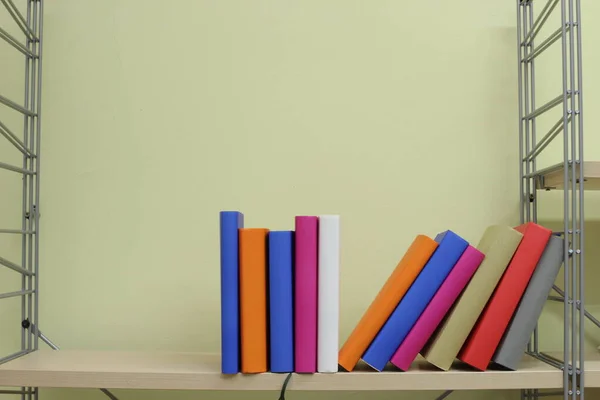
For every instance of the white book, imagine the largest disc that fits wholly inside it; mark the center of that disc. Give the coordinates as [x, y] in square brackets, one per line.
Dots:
[329, 293]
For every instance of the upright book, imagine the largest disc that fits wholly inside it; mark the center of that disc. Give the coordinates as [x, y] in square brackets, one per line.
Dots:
[483, 340]
[437, 308]
[451, 247]
[329, 293]
[253, 299]
[386, 300]
[513, 343]
[306, 274]
[230, 222]
[281, 301]
[498, 244]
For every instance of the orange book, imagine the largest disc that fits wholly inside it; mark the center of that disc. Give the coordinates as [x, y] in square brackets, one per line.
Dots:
[386, 301]
[253, 299]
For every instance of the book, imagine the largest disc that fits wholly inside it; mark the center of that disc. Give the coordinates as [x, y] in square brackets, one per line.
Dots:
[305, 295]
[253, 299]
[281, 301]
[498, 243]
[328, 293]
[450, 248]
[230, 222]
[483, 340]
[517, 335]
[386, 301]
[437, 308]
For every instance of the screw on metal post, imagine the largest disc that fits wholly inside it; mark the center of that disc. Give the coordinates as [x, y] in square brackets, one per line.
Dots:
[25, 324]
[531, 198]
[284, 387]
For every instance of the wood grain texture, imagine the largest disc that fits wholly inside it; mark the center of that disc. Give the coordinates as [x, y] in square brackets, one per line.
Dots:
[197, 371]
[553, 177]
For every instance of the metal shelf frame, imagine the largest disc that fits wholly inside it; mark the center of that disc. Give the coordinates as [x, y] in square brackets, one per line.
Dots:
[31, 25]
[570, 124]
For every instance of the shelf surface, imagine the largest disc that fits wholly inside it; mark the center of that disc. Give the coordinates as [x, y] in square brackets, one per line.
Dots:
[196, 371]
[553, 177]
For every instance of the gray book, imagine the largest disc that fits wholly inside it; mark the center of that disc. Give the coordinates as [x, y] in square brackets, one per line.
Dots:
[498, 243]
[512, 346]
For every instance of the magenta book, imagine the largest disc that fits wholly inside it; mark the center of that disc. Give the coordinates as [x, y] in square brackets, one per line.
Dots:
[437, 308]
[305, 294]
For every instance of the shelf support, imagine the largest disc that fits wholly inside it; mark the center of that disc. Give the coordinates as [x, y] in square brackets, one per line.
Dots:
[15, 392]
[53, 346]
[18, 17]
[547, 139]
[15, 267]
[550, 40]
[546, 107]
[14, 140]
[12, 168]
[13, 356]
[17, 232]
[540, 21]
[589, 316]
[15, 294]
[15, 106]
[444, 395]
[8, 38]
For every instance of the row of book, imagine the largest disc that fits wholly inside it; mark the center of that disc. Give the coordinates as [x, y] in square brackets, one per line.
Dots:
[279, 296]
[449, 300]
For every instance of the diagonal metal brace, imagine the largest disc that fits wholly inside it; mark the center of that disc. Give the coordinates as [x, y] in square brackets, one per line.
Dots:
[589, 316]
[445, 394]
[45, 339]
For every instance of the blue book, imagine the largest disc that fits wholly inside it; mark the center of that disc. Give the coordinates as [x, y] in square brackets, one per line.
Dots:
[230, 222]
[407, 312]
[281, 301]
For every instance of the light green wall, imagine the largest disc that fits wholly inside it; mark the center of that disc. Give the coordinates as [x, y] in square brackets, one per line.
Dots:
[399, 115]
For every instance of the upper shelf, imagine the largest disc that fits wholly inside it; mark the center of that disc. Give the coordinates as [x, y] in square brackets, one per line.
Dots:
[194, 371]
[553, 177]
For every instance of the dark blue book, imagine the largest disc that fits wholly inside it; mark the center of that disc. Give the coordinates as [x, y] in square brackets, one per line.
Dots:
[281, 301]
[230, 222]
[407, 312]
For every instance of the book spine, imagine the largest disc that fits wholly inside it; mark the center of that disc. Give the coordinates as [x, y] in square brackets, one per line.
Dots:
[498, 243]
[230, 222]
[400, 322]
[514, 342]
[329, 293]
[281, 301]
[386, 301]
[253, 299]
[483, 340]
[437, 308]
[305, 313]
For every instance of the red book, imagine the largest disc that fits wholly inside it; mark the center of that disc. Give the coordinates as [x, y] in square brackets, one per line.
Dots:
[481, 344]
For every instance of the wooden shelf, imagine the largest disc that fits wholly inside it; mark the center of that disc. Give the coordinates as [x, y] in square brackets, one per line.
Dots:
[553, 177]
[194, 371]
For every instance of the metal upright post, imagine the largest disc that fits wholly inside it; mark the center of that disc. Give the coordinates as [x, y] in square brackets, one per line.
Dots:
[581, 189]
[30, 23]
[571, 125]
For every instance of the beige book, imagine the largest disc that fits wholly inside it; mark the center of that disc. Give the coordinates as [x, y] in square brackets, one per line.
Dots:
[498, 243]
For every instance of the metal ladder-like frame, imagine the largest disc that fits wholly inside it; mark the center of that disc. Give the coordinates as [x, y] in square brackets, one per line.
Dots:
[27, 143]
[31, 25]
[570, 124]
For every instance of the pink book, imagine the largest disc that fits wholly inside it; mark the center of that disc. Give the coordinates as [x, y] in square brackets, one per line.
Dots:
[437, 308]
[305, 294]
